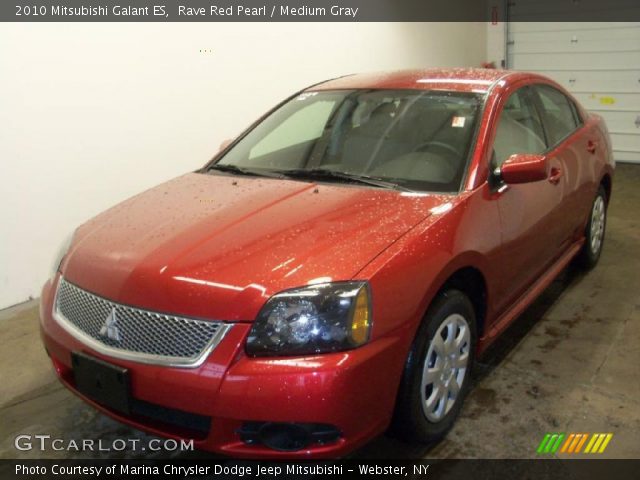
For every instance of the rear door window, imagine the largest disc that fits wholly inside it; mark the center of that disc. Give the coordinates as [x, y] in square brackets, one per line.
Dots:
[559, 113]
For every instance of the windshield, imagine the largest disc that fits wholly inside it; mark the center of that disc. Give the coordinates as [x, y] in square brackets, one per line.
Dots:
[409, 138]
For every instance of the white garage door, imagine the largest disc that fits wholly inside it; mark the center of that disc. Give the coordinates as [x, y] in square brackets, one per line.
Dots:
[599, 62]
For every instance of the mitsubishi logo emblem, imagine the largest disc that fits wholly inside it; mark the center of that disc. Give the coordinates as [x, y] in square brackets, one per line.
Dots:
[110, 327]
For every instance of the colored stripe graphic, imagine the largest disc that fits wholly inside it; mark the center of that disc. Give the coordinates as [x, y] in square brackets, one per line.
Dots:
[555, 447]
[576, 445]
[572, 443]
[598, 442]
[581, 443]
[550, 443]
[567, 443]
[543, 443]
[606, 442]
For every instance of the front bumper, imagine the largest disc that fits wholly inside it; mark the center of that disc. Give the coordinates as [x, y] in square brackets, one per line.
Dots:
[353, 391]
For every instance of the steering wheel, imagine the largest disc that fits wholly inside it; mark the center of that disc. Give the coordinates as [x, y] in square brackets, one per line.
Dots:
[441, 145]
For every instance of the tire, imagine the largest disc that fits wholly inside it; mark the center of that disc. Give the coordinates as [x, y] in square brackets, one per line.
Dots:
[419, 415]
[594, 232]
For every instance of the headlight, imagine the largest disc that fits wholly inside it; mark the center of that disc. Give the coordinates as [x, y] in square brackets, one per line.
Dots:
[320, 318]
[62, 251]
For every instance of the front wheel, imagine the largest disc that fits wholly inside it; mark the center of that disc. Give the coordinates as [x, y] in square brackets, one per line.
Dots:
[438, 369]
[594, 232]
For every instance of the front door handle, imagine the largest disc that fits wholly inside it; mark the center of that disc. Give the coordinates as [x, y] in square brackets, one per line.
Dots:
[592, 145]
[554, 176]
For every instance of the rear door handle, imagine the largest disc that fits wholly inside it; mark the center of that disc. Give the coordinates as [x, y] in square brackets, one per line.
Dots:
[554, 176]
[592, 145]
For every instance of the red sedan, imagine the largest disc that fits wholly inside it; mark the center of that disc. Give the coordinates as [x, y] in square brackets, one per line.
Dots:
[336, 269]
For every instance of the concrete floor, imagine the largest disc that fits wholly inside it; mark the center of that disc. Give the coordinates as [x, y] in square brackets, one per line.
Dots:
[570, 363]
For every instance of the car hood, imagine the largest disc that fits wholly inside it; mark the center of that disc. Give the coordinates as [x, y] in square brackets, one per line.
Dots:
[217, 246]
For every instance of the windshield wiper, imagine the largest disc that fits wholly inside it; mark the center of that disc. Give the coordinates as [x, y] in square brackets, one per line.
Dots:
[257, 172]
[326, 174]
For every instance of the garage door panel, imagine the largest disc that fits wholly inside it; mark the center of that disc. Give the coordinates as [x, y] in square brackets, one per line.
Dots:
[585, 81]
[567, 45]
[631, 157]
[576, 15]
[629, 36]
[537, 27]
[626, 143]
[571, 61]
[627, 102]
[621, 122]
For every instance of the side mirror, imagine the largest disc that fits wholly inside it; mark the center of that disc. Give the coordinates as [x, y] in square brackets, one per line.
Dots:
[524, 168]
[225, 144]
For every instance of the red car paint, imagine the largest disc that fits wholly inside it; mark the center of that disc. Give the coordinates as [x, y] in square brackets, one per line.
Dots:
[217, 247]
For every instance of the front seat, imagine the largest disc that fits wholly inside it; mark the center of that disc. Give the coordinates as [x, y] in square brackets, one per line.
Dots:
[373, 142]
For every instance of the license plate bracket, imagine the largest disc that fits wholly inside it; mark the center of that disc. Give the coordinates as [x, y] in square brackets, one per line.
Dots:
[102, 382]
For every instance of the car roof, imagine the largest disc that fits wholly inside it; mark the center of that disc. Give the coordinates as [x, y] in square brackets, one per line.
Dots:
[478, 80]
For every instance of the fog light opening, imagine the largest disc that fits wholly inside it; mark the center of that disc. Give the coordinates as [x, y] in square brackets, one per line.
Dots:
[288, 437]
[284, 437]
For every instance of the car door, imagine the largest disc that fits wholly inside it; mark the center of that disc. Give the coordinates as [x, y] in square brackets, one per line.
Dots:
[529, 212]
[570, 150]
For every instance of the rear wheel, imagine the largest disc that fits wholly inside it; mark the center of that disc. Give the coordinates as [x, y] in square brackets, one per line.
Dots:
[438, 369]
[594, 232]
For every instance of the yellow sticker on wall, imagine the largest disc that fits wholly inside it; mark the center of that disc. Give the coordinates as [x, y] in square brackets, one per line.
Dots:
[607, 100]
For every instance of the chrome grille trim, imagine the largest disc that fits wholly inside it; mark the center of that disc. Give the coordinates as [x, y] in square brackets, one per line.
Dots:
[141, 336]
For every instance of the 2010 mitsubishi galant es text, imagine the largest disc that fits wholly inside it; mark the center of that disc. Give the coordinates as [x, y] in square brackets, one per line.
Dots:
[336, 269]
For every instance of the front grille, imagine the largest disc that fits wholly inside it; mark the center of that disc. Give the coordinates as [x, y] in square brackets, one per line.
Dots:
[134, 334]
